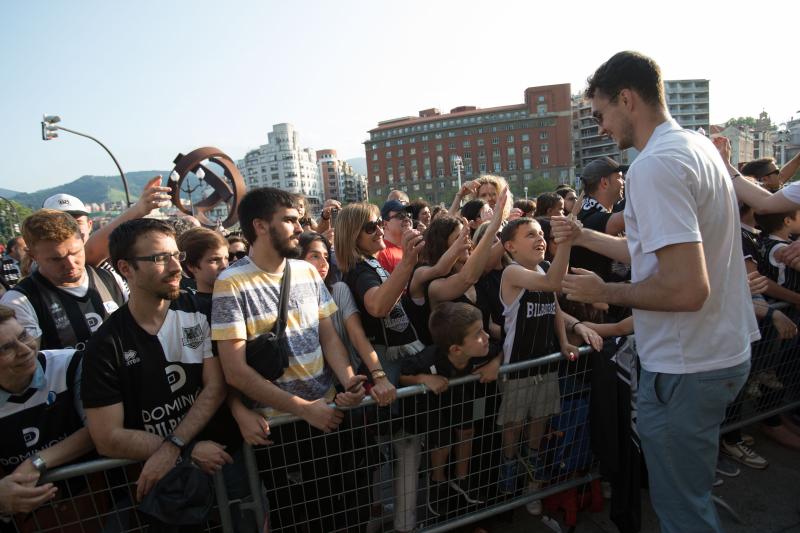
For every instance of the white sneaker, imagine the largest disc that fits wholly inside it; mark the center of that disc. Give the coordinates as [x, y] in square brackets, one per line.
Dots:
[744, 454]
[534, 507]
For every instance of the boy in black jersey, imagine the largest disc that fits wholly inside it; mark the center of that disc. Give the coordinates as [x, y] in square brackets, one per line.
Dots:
[461, 345]
[534, 328]
[775, 231]
[150, 381]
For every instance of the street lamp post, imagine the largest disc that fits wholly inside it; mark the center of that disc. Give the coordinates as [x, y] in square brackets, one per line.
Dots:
[459, 164]
[525, 188]
[49, 131]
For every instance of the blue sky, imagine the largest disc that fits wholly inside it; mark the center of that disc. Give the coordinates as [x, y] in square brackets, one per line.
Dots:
[151, 79]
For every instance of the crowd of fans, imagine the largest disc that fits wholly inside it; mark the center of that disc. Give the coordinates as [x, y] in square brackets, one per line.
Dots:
[153, 340]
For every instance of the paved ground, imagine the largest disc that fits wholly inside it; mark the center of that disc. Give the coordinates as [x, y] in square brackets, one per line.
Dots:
[768, 501]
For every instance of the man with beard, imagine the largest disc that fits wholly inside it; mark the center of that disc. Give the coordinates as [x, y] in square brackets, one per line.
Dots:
[245, 307]
[64, 300]
[691, 304]
[150, 380]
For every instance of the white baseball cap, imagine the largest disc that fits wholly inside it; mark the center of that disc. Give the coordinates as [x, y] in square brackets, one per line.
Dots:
[66, 202]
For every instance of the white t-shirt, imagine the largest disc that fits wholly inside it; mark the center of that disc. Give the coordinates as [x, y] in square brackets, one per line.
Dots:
[677, 191]
[26, 314]
[791, 192]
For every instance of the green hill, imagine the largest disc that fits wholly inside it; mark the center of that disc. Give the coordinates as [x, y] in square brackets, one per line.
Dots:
[93, 189]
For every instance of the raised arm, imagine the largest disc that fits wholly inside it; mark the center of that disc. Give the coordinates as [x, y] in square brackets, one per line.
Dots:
[679, 284]
[380, 300]
[610, 246]
[446, 289]
[153, 196]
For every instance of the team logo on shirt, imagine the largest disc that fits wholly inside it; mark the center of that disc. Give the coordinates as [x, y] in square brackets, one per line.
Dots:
[130, 357]
[176, 377]
[30, 436]
[193, 336]
[59, 316]
[51, 398]
[93, 320]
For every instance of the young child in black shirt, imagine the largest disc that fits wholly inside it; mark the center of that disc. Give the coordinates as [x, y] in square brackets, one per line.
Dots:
[461, 345]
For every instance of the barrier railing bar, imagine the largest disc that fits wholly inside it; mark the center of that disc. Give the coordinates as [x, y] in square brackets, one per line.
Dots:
[760, 416]
[254, 480]
[223, 504]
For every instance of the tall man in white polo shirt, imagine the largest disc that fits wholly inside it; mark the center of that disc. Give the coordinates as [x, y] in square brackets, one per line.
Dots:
[692, 313]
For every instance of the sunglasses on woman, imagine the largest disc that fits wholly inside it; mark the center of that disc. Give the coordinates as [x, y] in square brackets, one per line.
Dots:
[372, 226]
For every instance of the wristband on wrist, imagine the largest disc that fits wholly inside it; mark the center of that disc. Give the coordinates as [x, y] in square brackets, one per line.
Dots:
[377, 374]
[39, 464]
[574, 324]
[770, 312]
[175, 441]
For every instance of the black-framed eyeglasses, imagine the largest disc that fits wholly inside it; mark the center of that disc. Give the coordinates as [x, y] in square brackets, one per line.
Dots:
[776, 171]
[162, 258]
[372, 226]
[235, 256]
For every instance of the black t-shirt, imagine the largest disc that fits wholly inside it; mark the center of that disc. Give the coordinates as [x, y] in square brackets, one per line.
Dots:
[488, 288]
[750, 246]
[41, 417]
[595, 217]
[394, 330]
[156, 377]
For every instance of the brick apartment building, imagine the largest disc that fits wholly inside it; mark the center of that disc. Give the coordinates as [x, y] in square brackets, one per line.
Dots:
[420, 155]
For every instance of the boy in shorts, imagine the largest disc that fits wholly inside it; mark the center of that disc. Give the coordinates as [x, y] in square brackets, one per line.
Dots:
[534, 327]
[461, 347]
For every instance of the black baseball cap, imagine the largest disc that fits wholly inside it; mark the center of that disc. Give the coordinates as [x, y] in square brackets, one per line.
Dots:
[601, 168]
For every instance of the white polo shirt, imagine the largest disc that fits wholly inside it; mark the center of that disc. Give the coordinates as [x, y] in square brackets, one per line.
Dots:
[678, 191]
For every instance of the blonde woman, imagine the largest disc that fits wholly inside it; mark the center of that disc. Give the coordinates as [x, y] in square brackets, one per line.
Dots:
[487, 188]
[359, 239]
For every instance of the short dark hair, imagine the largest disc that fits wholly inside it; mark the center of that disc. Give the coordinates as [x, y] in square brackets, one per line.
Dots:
[774, 221]
[563, 191]
[262, 203]
[526, 206]
[510, 230]
[545, 202]
[472, 209]
[436, 238]
[628, 70]
[12, 243]
[123, 239]
[416, 206]
[6, 313]
[757, 168]
[196, 242]
[233, 239]
[450, 321]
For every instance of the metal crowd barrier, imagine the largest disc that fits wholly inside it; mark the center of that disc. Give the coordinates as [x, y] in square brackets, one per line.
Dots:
[374, 473]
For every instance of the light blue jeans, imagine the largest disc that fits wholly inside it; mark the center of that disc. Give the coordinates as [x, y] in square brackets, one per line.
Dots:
[679, 416]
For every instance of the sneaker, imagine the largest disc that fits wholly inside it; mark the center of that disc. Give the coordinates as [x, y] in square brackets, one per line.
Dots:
[507, 479]
[727, 468]
[462, 488]
[718, 483]
[753, 389]
[437, 497]
[770, 380]
[748, 440]
[534, 507]
[743, 454]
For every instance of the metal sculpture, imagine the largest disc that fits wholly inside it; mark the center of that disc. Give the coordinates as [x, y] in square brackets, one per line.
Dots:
[228, 188]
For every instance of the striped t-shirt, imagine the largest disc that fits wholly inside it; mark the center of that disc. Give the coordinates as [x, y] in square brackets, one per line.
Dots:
[245, 306]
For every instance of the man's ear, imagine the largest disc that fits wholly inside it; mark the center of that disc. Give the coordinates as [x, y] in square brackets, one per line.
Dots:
[124, 267]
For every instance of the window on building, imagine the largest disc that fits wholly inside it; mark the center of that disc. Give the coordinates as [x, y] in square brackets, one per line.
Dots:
[541, 109]
[480, 142]
[452, 146]
[412, 151]
[526, 137]
[511, 152]
[416, 186]
[451, 133]
[495, 140]
[400, 153]
[545, 159]
[512, 165]
[399, 142]
[545, 147]
[437, 135]
[496, 152]
[424, 137]
[388, 144]
[425, 148]
[413, 163]
[481, 154]
[544, 134]
[526, 163]
[467, 154]
[482, 166]
[465, 144]
[497, 166]
[377, 178]
[375, 156]
[510, 139]
[428, 186]
[376, 168]
[438, 147]
[388, 155]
